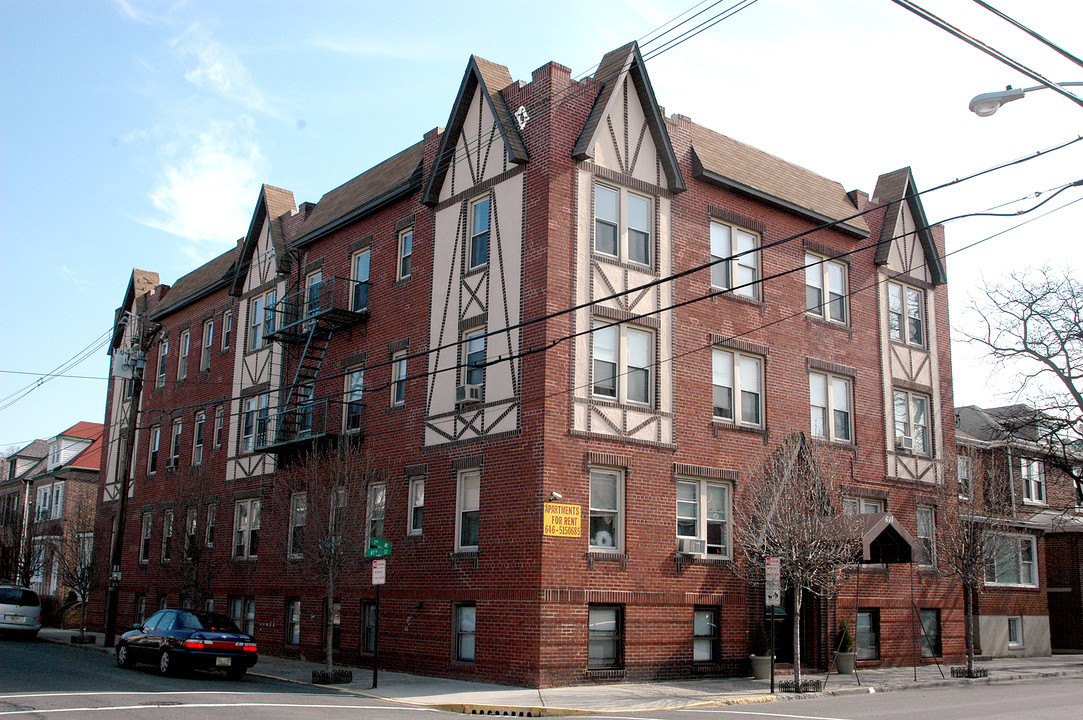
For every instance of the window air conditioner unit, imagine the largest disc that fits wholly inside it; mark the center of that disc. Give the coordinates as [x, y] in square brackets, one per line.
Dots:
[691, 546]
[905, 442]
[467, 394]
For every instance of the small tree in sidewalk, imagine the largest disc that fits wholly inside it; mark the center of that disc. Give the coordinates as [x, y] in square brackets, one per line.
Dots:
[195, 569]
[790, 508]
[76, 550]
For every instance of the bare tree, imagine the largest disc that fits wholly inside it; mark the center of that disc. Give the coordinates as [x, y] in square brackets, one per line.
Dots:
[196, 564]
[75, 551]
[1033, 322]
[791, 509]
[325, 496]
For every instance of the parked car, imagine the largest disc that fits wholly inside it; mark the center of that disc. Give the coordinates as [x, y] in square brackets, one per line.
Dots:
[177, 640]
[20, 611]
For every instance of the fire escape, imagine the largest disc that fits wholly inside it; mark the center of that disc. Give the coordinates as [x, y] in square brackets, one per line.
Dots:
[304, 322]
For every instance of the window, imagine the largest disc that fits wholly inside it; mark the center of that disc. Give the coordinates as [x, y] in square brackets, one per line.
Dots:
[736, 260]
[606, 499]
[703, 514]
[360, 299]
[182, 363]
[829, 404]
[41, 507]
[293, 621]
[1015, 631]
[246, 529]
[368, 619]
[704, 635]
[868, 634]
[355, 381]
[57, 509]
[622, 225]
[398, 378]
[930, 633]
[167, 536]
[622, 362]
[861, 506]
[965, 474]
[155, 442]
[1032, 473]
[243, 613]
[605, 636]
[465, 631]
[469, 506]
[219, 424]
[197, 438]
[417, 505]
[906, 314]
[305, 409]
[163, 355]
[174, 444]
[255, 319]
[336, 624]
[313, 288]
[1011, 560]
[227, 328]
[144, 538]
[406, 251]
[140, 614]
[912, 422]
[377, 507]
[338, 513]
[298, 509]
[825, 288]
[479, 234]
[926, 519]
[208, 343]
[737, 387]
[254, 422]
[474, 357]
[212, 516]
[190, 533]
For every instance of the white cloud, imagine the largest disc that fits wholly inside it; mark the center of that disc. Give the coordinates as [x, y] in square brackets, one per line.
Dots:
[206, 190]
[218, 69]
[370, 48]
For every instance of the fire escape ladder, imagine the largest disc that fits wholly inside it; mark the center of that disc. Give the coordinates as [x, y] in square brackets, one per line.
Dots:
[308, 365]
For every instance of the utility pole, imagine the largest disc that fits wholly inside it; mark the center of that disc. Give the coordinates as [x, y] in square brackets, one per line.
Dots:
[138, 365]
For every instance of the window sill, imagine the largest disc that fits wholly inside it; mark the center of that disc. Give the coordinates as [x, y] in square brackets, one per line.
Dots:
[605, 672]
[838, 444]
[709, 560]
[1035, 503]
[1010, 586]
[626, 264]
[594, 556]
[475, 270]
[463, 557]
[909, 346]
[825, 322]
[402, 281]
[718, 424]
[717, 292]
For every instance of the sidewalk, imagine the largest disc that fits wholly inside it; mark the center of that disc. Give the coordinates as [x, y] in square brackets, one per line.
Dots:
[482, 698]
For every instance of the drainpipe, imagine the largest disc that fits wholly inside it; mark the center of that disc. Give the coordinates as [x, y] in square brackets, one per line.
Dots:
[1011, 475]
[24, 556]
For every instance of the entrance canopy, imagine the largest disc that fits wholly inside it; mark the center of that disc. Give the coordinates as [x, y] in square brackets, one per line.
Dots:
[885, 540]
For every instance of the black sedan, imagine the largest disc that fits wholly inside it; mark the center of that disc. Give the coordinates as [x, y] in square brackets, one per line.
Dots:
[176, 640]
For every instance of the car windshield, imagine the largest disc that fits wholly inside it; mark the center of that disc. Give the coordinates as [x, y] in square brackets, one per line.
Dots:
[206, 621]
[18, 596]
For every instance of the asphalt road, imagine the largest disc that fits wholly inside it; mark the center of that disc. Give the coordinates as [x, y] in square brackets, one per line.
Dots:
[39, 680]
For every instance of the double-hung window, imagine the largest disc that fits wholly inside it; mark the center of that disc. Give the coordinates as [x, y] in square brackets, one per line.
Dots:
[861, 506]
[911, 422]
[163, 356]
[829, 404]
[219, 425]
[825, 288]
[255, 331]
[212, 517]
[926, 519]
[931, 645]
[208, 343]
[606, 501]
[360, 299]
[1011, 560]
[377, 510]
[144, 537]
[964, 468]
[735, 259]
[174, 444]
[703, 513]
[417, 505]
[246, 522]
[623, 360]
[355, 382]
[398, 378]
[197, 438]
[737, 387]
[406, 252]
[1032, 473]
[41, 506]
[469, 506]
[465, 631]
[906, 314]
[56, 511]
[313, 291]
[248, 426]
[293, 621]
[227, 329]
[190, 521]
[474, 357]
[705, 633]
[478, 250]
[185, 347]
[622, 225]
[167, 536]
[155, 443]
[298, 514]
[605, 636]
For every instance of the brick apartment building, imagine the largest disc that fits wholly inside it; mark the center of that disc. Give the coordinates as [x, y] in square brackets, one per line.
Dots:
[520, 313]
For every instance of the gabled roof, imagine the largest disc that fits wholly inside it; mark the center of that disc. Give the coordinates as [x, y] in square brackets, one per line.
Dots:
[84, 431]
[90, 457]
[197, 284]
[37, 451]
[613, 68]
[141, 283]
[272, 204]
[885, 540]
[896, 188]
[1009, 422]
[491, 79]
[378, 186]
[723, 161]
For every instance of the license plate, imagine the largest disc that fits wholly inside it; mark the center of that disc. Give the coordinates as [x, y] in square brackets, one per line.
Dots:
[17, 618]
[222, 661]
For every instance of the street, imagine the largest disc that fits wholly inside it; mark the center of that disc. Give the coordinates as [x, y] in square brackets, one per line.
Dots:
[39, 679]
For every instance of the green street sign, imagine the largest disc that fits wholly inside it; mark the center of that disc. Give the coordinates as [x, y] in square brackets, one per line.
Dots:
[375, 552]
[380, 543]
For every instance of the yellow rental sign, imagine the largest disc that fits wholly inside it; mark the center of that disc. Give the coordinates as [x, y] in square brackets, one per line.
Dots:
[562, 520]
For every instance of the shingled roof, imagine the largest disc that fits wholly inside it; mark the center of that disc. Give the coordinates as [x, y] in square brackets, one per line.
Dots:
[198, 283]
[380, 185]
[896, 188]
[272, 204]
[724, 161]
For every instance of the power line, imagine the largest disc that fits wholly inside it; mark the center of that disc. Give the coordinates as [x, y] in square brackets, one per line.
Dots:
[1030, 32]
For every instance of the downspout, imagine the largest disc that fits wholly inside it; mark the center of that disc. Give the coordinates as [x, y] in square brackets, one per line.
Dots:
[1011, 475]
[24, 556]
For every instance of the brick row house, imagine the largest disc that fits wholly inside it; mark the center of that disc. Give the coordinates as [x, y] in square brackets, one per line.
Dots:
[1032, 601]
[565, 303]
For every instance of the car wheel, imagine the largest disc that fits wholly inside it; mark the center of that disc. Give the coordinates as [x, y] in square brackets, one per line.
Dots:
[165, 663]
[236, 673]
[124, 660]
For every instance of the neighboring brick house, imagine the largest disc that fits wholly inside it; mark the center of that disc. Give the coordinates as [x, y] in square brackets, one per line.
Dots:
[1032, 601]
[19, 468]
[520, 310]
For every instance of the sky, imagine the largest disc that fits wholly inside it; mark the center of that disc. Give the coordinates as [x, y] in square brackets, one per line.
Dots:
[137, 133]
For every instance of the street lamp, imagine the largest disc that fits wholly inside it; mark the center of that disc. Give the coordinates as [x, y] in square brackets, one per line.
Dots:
[986, 104]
